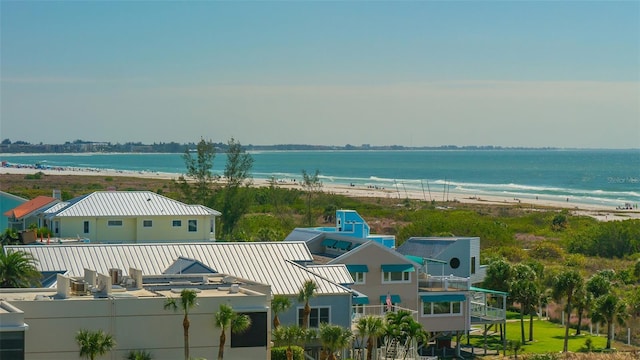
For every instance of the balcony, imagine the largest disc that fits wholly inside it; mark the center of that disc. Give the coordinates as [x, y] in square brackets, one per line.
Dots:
[428, 282]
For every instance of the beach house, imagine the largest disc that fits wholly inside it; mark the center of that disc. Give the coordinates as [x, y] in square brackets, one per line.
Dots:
[130, 217]
[43, 323]
[27, 214]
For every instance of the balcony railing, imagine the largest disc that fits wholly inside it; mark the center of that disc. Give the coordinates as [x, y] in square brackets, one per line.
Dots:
[380, 310]
[443, 283]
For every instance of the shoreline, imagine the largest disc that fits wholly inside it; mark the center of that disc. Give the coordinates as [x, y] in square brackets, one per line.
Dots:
[599, 212]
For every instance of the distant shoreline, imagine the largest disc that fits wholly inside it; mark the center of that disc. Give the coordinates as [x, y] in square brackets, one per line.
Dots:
[599, 212]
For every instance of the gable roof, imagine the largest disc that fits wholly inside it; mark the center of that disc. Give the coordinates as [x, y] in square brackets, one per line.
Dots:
[427, 247]
[129, 204]
[184, 265]
[336, 272]
[264, 262]
[371, 243]
[30, 206]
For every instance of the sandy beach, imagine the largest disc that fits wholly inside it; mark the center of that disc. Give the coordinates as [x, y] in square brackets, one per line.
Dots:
[601, 213]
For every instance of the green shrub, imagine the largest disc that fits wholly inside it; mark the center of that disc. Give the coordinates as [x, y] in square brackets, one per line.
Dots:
[280, 353]
[547, 250]
[36, 176]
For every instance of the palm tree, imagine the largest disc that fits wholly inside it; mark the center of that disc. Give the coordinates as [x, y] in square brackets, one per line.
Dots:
[279, 304]
[565, 285]
[18, 269]
[289, 336]
[227, 318]
[371, 327]
[186, 303]
[334, 338]
[609, 309]
[524, 291]
[307, 291]
[94, 343]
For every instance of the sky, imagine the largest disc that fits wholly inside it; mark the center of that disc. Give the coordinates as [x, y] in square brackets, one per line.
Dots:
[413, 73]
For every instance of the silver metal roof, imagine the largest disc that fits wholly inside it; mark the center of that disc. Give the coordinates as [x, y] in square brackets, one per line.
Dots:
[271, 263]
[128, 203]
[336, 272]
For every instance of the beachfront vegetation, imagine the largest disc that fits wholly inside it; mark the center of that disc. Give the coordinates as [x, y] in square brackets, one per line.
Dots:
[235, 199]
[311, 186]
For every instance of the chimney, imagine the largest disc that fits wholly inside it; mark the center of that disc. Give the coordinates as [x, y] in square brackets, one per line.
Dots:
[57, 194]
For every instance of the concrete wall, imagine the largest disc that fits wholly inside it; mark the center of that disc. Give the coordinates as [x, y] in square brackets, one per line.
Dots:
[136, 324]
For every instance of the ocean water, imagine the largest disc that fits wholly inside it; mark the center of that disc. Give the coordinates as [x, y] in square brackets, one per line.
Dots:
[604, 177]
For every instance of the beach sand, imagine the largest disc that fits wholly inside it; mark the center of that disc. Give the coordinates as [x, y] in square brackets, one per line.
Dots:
[599, 212]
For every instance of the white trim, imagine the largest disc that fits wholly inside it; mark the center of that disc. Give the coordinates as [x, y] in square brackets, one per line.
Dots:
[384, 281]
[298, 318]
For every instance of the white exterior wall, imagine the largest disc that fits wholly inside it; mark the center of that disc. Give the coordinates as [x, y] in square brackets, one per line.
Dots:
[135, 324]
[132, 229]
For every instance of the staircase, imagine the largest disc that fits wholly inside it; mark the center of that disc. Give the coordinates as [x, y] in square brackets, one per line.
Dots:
[391, 350]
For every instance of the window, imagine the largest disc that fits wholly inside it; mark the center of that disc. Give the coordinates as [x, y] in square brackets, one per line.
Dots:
[255, 336]
[193, 225]
[396, 276]
[359, 277]
[147, 223]
[473, 265]
[358, 310]
[441, 308]
[177, 223]
[86, 227]
[114, 223]
[12, 345]
[318, 315]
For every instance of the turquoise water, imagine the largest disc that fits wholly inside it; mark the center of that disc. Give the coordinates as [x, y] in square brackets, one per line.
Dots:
[606, 177]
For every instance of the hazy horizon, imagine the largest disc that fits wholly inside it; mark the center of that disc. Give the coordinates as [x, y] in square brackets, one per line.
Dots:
[562, 74]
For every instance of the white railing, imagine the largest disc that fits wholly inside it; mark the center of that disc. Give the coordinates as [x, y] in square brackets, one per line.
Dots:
[487, 312]
[380, 310]
[444, 283]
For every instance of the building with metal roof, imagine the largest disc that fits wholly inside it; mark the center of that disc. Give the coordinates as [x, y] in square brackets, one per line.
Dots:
[279, 264]
[131, 217]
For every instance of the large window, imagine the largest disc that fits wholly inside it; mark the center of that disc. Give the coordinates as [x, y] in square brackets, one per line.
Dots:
[318, 315]
[441, 308]
[85, 227]
[114, 223]
[396, 276]
[193, 225]
[255, 336]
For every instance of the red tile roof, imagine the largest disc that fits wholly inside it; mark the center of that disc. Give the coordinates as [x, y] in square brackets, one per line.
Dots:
[30, 206]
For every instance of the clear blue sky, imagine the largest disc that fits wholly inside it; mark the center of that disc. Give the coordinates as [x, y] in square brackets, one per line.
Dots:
[507, 73]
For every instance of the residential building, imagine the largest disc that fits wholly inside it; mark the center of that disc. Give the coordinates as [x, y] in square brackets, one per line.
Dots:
[26, 214]
[131, 217]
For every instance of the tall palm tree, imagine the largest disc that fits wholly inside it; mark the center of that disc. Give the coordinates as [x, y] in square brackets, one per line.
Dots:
[565, 286]
[18, 269]
[609, 309]
[187, 302]
[94, 343]
[370, 327]
[227, 318]
[334, 338]
[524, 291]
[307, 291]
[279, 304]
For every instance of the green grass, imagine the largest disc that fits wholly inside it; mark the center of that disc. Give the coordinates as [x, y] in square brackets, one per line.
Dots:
[547, 337]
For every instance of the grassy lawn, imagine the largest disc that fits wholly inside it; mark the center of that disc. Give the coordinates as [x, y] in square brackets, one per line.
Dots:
[547, 336]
